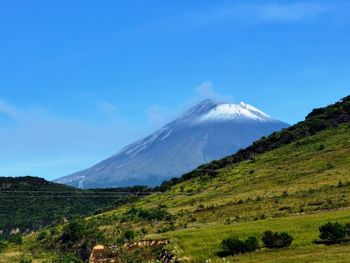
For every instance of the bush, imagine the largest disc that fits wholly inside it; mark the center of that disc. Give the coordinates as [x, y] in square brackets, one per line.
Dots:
[251, 244]
[333, 232]
[276, 240]
[129, 235]
[42, 235]
[234, 246]
[25, 259]
[66, 259]
[149, 214]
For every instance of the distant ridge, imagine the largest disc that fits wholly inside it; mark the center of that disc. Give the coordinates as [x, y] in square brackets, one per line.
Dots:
[206, 132]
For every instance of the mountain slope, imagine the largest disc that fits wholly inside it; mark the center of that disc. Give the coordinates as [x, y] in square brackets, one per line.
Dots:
[206, 132]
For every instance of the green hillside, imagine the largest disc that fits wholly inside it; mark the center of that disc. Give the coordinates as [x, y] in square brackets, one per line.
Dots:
[30, 203]
[277, 190]
[291, 185]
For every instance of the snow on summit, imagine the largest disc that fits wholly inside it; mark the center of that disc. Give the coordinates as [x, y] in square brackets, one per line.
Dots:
[240, 111]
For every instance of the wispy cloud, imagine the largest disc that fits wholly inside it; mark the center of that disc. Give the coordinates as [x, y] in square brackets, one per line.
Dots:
[9, 110]
[37, 137]
[206, 91]
[106, 107]
[262, 12]
[159, 115]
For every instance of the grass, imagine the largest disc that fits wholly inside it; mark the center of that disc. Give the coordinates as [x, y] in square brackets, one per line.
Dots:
[202, 243]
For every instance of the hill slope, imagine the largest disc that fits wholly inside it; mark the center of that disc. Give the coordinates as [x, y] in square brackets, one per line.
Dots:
[29, 203]
[206, 132]
[274, 190]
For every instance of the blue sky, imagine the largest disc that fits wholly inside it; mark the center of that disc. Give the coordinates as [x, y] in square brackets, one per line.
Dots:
[81, 79]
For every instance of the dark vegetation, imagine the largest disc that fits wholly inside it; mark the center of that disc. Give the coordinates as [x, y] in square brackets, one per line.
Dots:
[72, 242]
[318, 120]
[146, 214]
[276, 239]
[234, 246]
[66, 259]
[48, 203]
[79, 237]
[334, 233]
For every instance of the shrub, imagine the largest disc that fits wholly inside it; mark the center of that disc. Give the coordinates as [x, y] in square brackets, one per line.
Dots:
[234, 246]
[129, 235]
[25, 259]
[251, 244]
[66, 259]
[149, 214]
[276, 240]
[333, 232]
[42, 235]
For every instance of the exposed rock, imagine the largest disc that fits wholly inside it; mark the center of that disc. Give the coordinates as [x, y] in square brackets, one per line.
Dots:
[109, 254]
[97, 252]
[15, 231]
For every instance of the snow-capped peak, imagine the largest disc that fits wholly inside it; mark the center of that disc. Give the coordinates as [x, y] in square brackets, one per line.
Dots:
[230, 111]
[205, 111]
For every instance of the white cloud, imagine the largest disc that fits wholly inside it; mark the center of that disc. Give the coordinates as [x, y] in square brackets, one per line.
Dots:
[262, 13]
[9, 110]
[106, 107]
[288, 12]
[206, 91]
[159, 115]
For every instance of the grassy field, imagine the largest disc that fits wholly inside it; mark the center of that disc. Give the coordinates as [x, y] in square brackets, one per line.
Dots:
[202, 243]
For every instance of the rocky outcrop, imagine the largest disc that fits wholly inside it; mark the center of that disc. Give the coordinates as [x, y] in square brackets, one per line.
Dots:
[110, 254]
[146, 243]
[97, 253]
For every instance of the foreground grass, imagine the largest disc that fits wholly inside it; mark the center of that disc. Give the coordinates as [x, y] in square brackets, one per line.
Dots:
[202, 243]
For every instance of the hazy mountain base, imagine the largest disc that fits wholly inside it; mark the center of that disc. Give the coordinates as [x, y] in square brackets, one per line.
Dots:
[277, 190]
